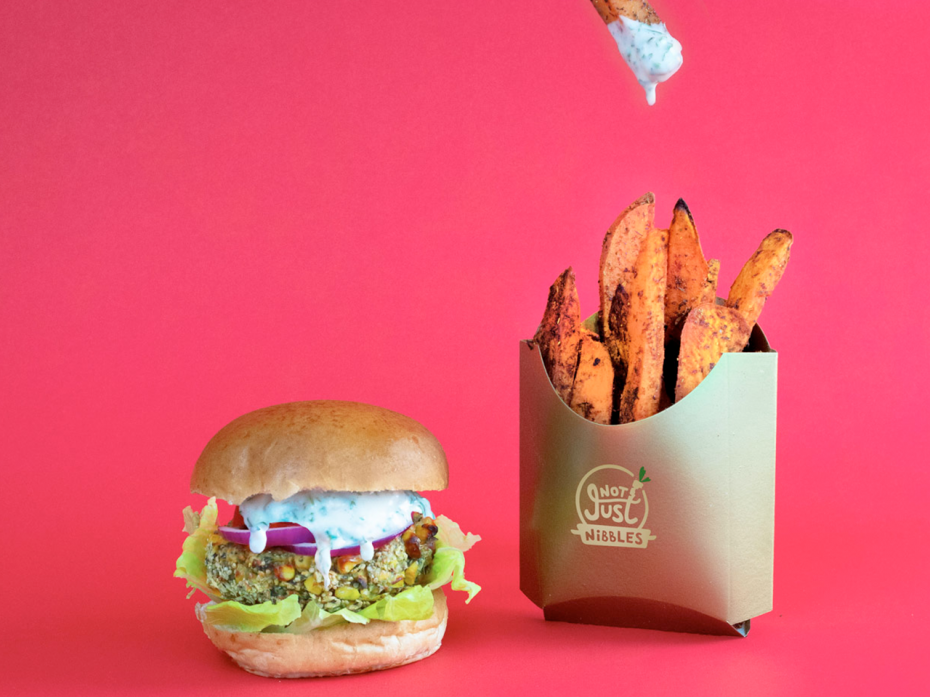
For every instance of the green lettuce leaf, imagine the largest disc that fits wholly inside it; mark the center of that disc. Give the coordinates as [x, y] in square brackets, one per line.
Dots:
[449, 567]
[451, 535]
[236, 617]
[315, 617]
[191, 565]
[414, 603]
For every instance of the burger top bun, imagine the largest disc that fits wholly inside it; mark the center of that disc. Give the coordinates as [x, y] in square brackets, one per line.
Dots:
[339, 446]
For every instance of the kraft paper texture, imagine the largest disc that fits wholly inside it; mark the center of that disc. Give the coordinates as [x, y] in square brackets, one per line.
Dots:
[665, 523]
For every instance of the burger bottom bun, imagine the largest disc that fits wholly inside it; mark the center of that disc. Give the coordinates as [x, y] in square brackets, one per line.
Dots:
[339, 650]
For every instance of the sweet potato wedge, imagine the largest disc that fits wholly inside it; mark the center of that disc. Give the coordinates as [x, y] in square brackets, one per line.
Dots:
[760, 275]
[593, 389]
[619, 253]
[644, 330]
[709, 292]
[687, 270]
[640, 10]
[559, 333]
[709, 331]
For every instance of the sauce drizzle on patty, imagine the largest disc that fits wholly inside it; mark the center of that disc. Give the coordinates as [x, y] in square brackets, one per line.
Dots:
[337, 519]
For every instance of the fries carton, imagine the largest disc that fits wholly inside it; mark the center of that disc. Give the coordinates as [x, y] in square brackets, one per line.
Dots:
[665, 523]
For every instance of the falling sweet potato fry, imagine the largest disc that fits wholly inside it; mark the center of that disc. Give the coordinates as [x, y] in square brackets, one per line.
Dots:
[645, 329]
[709, 331]
[619, 253]
[559, 333]
[687, 270]
[593, 389]
[760, 275]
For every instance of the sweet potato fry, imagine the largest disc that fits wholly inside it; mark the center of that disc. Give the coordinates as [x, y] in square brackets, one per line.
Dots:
[640, 10]
[644, 330]
[593, 389]
[709, 292]
[619, 253]
[760, 275]
[687, 270]
[709, 331]
[559, 334]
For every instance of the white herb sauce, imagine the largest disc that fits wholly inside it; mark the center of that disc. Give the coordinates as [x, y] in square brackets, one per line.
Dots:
[337, 519]
[650, 51]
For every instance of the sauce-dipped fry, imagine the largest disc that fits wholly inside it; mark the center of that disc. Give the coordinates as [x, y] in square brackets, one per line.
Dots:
[645, 44]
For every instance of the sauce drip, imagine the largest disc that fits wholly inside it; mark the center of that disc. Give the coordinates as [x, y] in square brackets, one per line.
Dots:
[650, 51]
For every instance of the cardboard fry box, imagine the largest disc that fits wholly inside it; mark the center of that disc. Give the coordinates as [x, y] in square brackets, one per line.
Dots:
[666, 523]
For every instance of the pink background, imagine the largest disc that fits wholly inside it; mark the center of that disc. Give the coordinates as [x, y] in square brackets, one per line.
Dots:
[210, 207]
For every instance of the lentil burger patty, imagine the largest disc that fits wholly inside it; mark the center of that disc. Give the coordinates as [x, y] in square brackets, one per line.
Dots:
[249, 578]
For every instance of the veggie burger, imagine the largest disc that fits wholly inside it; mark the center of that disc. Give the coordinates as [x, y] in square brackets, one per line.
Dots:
[331, 563]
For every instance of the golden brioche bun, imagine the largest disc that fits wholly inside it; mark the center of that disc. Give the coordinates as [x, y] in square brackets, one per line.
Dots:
[339, 446]
[339, 650]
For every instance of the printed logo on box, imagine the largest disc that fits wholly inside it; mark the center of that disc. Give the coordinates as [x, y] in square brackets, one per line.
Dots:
[612, 506]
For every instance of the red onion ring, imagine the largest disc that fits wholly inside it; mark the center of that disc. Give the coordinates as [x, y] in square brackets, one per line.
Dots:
[309, 549]
[276, 537]
[295, 539]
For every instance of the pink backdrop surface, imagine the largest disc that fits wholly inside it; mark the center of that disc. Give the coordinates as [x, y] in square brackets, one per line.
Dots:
[210, 207]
